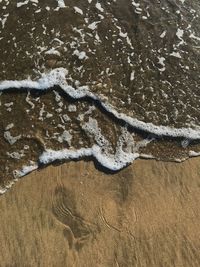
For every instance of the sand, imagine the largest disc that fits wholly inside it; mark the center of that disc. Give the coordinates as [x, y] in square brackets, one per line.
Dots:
[75, 215]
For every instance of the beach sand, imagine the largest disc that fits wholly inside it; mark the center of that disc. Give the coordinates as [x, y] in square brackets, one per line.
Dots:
[76, 215]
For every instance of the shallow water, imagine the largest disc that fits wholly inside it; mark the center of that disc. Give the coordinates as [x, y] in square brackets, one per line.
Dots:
[122, 80]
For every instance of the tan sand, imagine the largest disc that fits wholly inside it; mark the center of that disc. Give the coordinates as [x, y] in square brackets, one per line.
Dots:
[74, 215]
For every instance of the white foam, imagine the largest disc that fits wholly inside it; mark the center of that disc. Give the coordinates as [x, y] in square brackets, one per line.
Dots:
[146, 156]
[125, 151]
[3, 190]
[92, 128]
[25, 170]
[11, 139]
[81, 55]
[19, 4]
[65, 137]
[193, 153]
[29, 101]
[194, 37]
[58, 77]
[52, 51]
[163, 34]
[78, 10]
[175, 54]
[18, 174]
[9, 126]
[111, 162]
[16, 155]
[161, 61]
[93, 25]
[61, 3]
[99, 7]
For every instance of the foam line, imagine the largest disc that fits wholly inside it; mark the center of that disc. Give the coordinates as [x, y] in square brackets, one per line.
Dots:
[111, 162]
[57, 77]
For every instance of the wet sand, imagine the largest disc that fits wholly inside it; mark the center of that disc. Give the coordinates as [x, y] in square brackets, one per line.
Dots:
[75, 215]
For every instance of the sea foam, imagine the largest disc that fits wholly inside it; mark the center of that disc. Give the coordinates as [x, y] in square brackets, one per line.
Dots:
[57, 77]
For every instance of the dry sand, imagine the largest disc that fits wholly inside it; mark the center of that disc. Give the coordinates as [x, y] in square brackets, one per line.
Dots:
[75, 215]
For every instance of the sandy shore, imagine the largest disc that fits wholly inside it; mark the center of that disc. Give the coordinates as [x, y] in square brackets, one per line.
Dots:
[74, 215]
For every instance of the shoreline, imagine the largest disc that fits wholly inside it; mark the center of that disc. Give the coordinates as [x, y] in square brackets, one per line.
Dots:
[28, 170]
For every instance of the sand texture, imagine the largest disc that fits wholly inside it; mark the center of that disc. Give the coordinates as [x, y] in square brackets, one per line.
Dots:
[75, 215]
